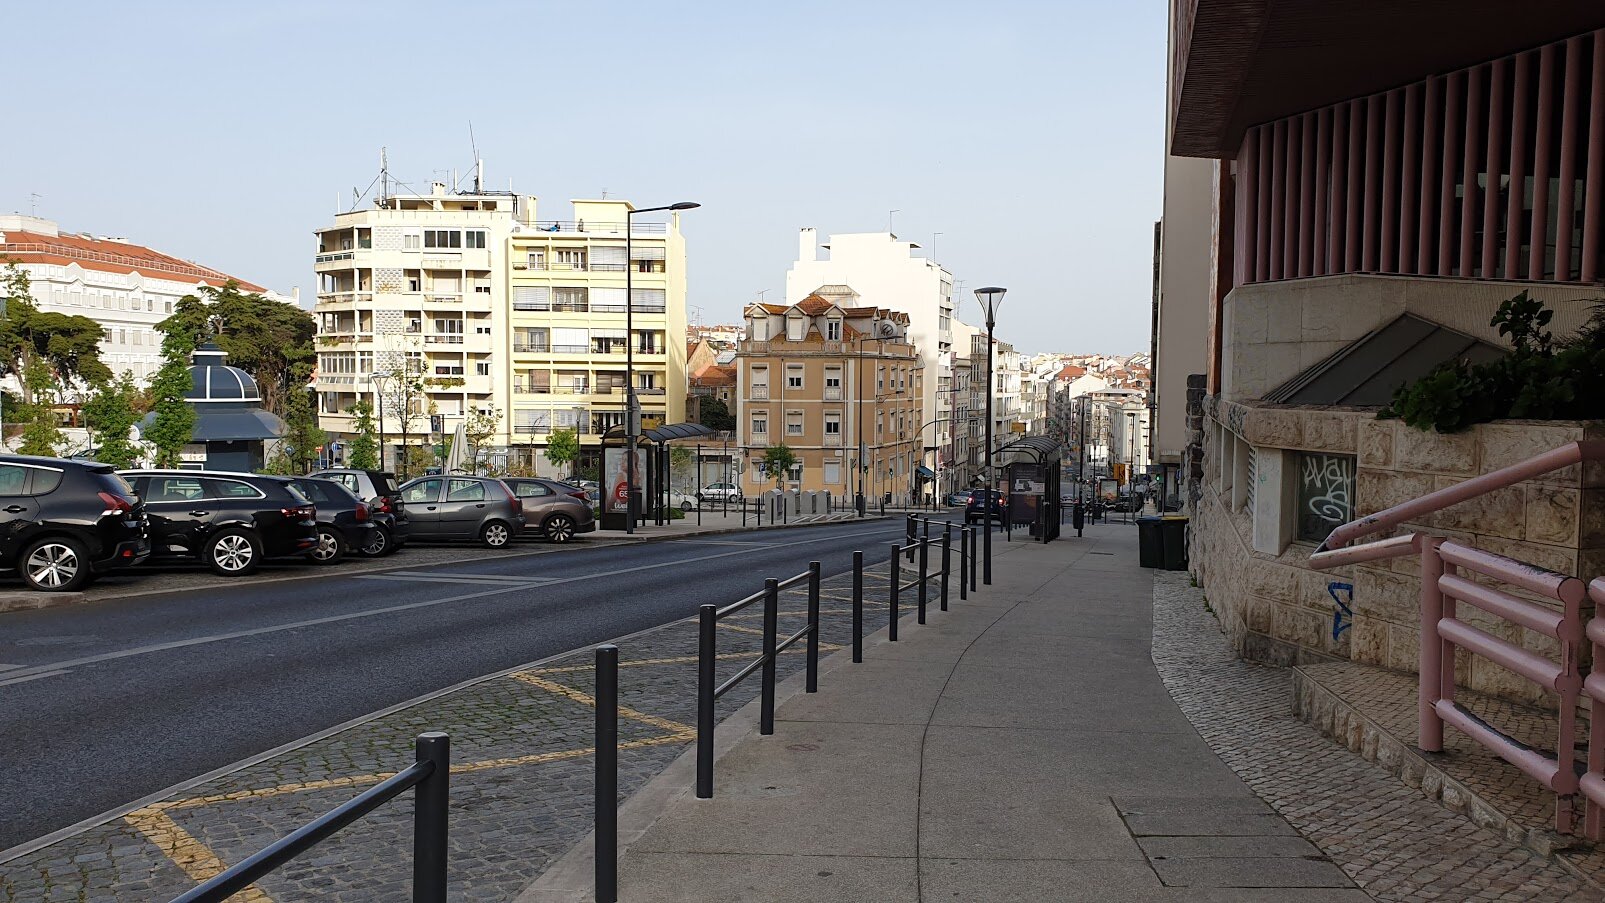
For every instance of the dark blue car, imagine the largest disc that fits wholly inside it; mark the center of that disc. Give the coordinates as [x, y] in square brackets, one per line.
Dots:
[977, 508]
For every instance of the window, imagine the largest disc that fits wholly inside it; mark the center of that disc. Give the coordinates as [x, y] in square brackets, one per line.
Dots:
[531, 490]
[833, 424]
[175, 489]
[1325, 494]
[833, 473]
[45, 481]
[649, 300]
[474, 238]
[570, 298]
[537, 260]
[833, 329]
[443, 238]
[482, 368]
[12, 479]
[608, 258]
[570, 258]
[418, 493]
[796, 328]
[411, 241]
[794, 376]
[760, 424]
[232, 489]
[465, 491]
[532, 297]
[760, 382]
[833, 383]
[794, 423]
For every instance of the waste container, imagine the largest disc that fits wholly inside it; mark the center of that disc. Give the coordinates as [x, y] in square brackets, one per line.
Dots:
[1173, 527]
[1150, 542]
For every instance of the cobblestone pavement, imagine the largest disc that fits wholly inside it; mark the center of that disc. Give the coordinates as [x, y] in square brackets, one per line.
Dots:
[521, 780]
[1394, 843]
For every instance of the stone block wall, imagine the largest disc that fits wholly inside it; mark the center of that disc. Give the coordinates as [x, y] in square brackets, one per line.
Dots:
[1277, 609]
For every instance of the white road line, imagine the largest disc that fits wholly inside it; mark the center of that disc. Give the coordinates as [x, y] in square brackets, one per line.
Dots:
[492, 578]
[27, 677]
[745, 545]
[391, 609]
[474, 579]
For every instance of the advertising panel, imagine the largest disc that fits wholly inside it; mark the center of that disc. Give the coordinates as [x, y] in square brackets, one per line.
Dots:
[616, 498]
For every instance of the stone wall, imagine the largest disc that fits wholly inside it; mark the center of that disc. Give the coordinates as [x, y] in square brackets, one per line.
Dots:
[1276, 608]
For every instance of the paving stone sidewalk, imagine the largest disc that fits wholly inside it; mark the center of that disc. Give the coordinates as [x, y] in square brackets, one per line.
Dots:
[1394, 843]
[521, 782]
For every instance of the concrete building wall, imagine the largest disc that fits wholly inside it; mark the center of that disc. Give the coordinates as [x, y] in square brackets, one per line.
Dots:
[1182, 342]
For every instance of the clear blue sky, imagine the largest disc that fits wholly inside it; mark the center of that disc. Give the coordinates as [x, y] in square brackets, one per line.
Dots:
[1028, 134]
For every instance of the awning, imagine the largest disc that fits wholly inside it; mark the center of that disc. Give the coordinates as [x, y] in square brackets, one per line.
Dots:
[924, 471]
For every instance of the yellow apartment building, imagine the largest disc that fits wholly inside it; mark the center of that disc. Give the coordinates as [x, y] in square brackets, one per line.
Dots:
[837, 383]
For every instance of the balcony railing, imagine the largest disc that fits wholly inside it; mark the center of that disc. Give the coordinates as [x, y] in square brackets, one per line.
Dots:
[759, 393]
[335, 257]
[585, 228]
[570, 349]
[652, 390]
[532, 347]
[444, 298]
[344, 297]
[833, 394]
[455, 338]
[833, 440]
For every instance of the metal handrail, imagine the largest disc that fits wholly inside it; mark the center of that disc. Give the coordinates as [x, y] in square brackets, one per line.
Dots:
[430, 773]
[1536, 466]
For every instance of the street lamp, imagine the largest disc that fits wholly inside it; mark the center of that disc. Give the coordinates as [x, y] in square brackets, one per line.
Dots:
[632, 406]
[378, 382]
[991, 299]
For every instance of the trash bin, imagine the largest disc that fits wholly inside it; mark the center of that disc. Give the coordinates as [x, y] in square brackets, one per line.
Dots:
[1150, 542]
[1174, 529]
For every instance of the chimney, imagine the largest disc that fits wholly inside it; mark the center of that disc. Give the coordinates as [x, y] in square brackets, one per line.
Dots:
[807, 245]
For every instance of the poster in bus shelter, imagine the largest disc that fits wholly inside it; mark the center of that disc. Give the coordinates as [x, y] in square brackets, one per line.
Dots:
[616, 471]
[1108, 490]
[1025, 491]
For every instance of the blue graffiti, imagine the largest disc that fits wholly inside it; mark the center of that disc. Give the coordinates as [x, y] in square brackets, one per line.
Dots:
[1343, 615]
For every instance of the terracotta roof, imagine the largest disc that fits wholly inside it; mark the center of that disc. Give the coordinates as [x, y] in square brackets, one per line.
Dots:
[110, 257]
[769, 308]
[715, 375]
[813, 305]
[1071, 371]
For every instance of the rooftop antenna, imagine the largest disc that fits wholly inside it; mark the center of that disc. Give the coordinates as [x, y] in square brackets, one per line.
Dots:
[384, 175]
[698, 312]
[33, 200]
[604, 194]
[479, 165]
[761, 293]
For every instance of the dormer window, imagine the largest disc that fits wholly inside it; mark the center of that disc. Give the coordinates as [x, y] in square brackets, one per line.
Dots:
[833, 329]
[796, 327]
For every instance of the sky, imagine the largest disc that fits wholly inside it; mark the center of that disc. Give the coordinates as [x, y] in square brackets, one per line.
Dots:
[1028, 134]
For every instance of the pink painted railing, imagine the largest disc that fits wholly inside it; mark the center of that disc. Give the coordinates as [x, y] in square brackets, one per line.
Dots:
[1443, 587]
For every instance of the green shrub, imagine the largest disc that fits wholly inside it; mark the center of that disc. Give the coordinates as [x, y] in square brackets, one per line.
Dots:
[1539, 379]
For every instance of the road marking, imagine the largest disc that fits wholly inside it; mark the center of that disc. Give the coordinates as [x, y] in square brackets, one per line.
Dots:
[745, 545]
[8, 667]
[471, 580]
[436, 575]
[189, 854]
[586, 699]
[27, 677]
[392, 609]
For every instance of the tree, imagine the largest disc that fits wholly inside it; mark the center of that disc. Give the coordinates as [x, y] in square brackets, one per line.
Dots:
[110, 416]
[175, 419]
[680, 466]
[563, 446]
[365, 448]
[714, 414]
[67, 348]
[778, 460]
[302, 437]
[402, 398]
[271, 340]
[41, 432]
[476, 430]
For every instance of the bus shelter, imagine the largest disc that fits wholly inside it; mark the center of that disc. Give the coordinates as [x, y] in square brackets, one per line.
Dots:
[651, 490]
[1028, 480]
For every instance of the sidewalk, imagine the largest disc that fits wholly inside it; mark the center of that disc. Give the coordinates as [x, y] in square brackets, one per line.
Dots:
[1020, 746]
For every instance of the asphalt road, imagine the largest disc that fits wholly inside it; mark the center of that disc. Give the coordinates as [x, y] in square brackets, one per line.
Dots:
[105, 703]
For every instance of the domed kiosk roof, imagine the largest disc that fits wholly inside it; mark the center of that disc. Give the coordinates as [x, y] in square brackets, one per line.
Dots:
[212, 380]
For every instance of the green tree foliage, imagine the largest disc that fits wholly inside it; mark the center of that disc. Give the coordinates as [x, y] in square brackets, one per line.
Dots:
[1540, 379]
[67, 348]
[680, 471]
[41, 432]
[477, 430]
[302, 437]
[778, 461]
[271, 340]
[364, 453]
[110, 416]
[175, 419]
[714, 414]
[563, 447]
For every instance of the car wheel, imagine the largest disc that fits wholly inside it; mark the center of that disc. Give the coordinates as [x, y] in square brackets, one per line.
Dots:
[559, 528]
[379, 544]
[331, 548]
[233, 552]
[495, 535]
[55, 565]
[687, 506]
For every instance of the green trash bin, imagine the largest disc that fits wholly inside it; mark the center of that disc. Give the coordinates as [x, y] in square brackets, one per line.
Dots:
[1150, 542]
[1173, 527]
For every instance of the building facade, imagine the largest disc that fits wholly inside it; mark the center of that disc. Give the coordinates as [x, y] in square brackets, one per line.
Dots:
[437, 308]
[125, 287]
[880, 266]
[1374, 198]
[841, 386]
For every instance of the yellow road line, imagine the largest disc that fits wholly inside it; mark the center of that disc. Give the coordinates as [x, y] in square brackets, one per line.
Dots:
[189, 854]
[587, 699]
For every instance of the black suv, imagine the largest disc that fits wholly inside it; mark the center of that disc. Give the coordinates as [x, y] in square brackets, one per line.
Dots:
[389, 512]
[64, 522]
[230, 521]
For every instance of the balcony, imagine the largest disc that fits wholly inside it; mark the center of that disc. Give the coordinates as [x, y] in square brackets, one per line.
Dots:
[532, 347]
[441, 260]
[446, 298]
[571, 349]
[345, 297]
[649, 390]
[759, 393]
[581, 227]
[833, 393]
[450, 338]
[833, 440]
[335, 257]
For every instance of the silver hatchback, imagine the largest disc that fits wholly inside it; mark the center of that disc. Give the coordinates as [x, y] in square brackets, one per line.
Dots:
[447, 508]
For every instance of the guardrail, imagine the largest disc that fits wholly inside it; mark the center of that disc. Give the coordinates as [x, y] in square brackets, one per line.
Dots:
[1592, 783]
[430, 773]
[708, 618]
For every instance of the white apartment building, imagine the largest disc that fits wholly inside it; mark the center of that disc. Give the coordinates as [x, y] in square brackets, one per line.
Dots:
[498, 310]
[125, 287]
[885, 272]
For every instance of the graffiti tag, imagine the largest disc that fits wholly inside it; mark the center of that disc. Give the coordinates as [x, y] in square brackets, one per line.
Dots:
[1328, 486]
[1343, 615]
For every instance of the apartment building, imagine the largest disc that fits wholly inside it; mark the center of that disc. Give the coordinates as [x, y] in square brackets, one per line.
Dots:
[127, 288]
[839, 384]
[884, 268]
[492, 309]
[572, 336]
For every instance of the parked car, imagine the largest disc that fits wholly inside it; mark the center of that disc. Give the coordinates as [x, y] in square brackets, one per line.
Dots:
[463, 507]
[228, 521]
[345, 523]
[717, 491]
[685, 501]
[65, 522]
[957, 498]
[385, 506]
[557, 510]
[977, 509]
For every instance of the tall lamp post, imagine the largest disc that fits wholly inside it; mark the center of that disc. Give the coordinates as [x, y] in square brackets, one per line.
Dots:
[991, 299]
[1131, 467]
[378, 382]
[632, 405]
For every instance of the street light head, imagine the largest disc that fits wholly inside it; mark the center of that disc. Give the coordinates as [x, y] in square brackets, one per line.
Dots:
[685, 205]
[991, 298]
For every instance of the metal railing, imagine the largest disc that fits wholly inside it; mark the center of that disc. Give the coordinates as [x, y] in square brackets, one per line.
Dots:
[708, 693]
[430, 773]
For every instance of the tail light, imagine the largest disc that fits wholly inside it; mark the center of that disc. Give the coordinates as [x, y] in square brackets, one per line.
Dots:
[579, 494]
[115, 504]
[518, 506]
[382, 505]
[300, 512]
[362, 513]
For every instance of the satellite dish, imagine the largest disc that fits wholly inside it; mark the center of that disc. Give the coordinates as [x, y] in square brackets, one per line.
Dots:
[887, 328]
